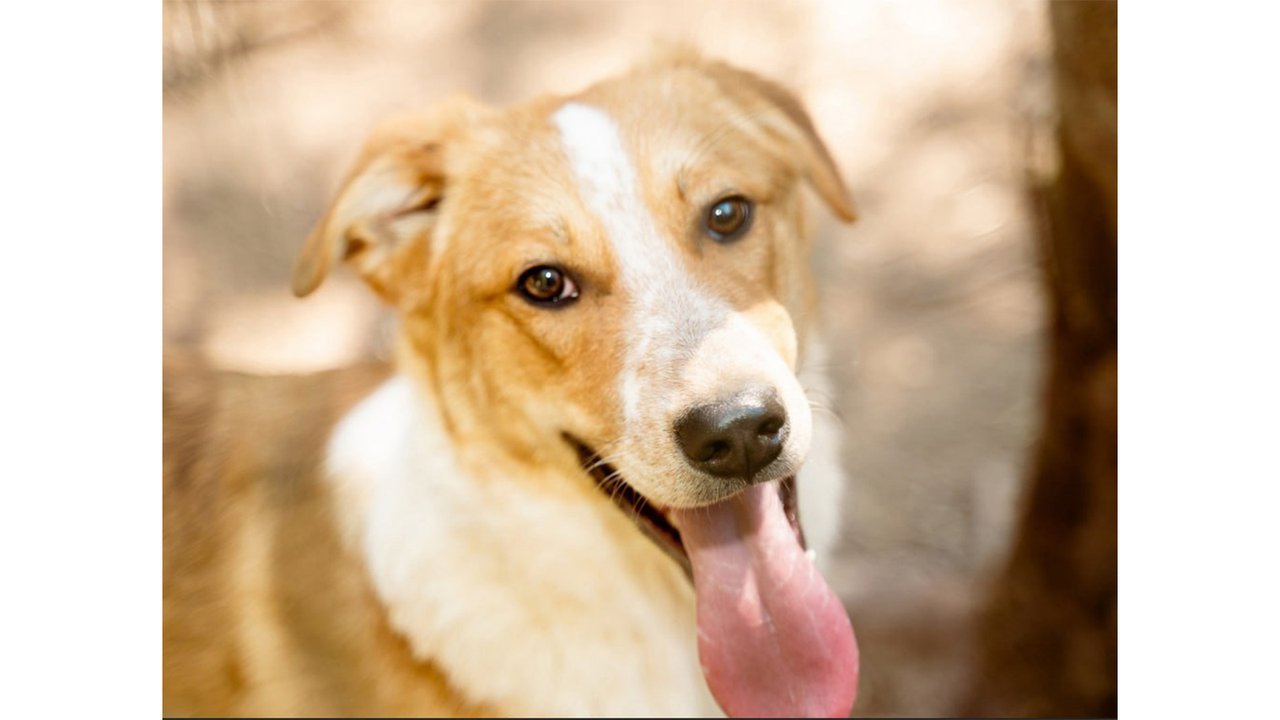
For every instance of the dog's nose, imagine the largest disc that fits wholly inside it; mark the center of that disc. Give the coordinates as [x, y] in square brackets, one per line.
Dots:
[735, 437]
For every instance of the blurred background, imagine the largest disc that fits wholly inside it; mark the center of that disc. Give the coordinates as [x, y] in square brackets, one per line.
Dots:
[939, 309]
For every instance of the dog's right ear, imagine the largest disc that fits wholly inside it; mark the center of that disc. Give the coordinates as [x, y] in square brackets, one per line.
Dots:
[386, 210]
[755, 91]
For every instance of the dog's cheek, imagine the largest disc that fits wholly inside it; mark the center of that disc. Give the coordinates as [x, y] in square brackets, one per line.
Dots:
[594, 383]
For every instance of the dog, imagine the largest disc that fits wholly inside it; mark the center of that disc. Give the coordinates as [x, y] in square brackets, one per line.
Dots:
[578, 488]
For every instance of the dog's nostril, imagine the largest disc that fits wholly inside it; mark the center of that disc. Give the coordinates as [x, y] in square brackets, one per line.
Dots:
[772, 426]
[715, 451]
[735, 437]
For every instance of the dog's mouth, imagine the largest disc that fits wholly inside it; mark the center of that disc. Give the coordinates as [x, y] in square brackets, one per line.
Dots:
[653, 520]
[773, 638]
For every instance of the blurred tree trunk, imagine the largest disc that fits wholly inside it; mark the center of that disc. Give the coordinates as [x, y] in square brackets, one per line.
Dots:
[1047, 642]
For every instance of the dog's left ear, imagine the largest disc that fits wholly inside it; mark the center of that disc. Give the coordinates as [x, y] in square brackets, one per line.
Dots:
[383, 217]
[752, 90]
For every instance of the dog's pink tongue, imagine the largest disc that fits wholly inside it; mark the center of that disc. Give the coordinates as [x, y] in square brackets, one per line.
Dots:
[773, 638]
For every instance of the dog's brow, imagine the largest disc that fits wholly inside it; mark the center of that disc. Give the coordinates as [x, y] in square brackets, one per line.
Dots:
[740, 121]
[682, 182]
[560, 231]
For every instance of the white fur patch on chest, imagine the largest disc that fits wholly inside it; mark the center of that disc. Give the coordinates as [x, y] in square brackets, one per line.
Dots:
[521, 599]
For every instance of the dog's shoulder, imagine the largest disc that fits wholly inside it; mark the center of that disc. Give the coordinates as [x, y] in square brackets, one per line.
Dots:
[241, 492]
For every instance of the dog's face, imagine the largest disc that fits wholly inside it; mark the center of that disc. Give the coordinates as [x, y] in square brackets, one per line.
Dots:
[623, 270]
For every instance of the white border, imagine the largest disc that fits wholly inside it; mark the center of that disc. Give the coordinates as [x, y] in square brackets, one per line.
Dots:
[80, 500]
[1199, 360]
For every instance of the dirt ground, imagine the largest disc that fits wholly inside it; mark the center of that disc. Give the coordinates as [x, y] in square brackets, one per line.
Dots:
[932, 304]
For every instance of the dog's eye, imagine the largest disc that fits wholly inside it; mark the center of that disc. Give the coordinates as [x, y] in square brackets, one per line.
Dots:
[547, 285]
[728, 219]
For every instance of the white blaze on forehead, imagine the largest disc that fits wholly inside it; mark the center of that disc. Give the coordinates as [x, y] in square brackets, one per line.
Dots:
[609, 186]
[670, 313]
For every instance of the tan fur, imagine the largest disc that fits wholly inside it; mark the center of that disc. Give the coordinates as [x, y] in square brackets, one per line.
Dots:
[269, 608]
[265, 612]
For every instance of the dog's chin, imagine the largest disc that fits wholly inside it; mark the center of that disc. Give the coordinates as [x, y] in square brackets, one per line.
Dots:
[653, 519]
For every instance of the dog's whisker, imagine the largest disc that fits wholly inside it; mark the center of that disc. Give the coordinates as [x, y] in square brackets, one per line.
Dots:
[830, 413]
[824, 403]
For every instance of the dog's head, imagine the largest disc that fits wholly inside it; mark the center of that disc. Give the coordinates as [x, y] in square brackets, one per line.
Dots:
[625, 270]
[625, 267]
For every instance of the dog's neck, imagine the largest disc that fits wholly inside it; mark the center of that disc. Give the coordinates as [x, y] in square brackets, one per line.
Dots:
[535, 602]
